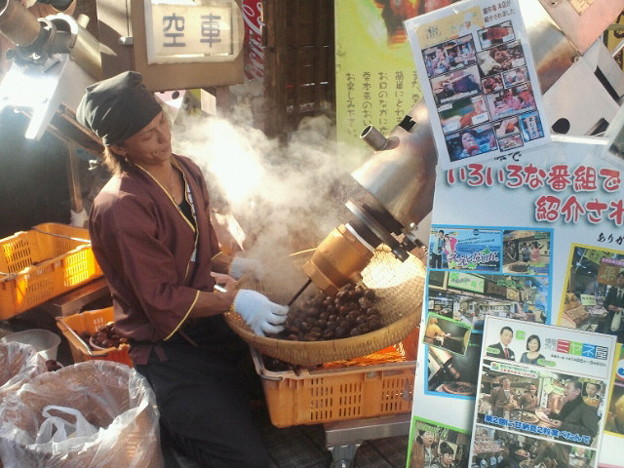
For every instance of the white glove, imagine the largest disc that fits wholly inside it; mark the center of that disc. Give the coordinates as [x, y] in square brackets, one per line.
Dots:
[240, 266]
[262, 315]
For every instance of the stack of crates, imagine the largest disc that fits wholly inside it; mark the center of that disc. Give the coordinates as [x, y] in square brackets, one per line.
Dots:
[44, 262]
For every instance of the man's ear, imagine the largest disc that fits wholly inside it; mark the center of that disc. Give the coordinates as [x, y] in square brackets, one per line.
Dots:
[119, 150]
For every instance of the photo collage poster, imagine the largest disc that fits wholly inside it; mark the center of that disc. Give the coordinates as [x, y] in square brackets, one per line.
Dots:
[542, 394]
[478, 81]
[550, 260]
[475, 272]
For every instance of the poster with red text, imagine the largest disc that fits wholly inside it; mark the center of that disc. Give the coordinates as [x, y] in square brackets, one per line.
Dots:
[534, 237]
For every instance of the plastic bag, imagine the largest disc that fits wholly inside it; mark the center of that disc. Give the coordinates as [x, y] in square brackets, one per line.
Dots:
[59, 429]
[112, 397]
[19, 362]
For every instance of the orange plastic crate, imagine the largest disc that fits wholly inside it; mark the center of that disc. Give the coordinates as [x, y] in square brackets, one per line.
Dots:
[42, 263]
[327, 395]
[75, 326]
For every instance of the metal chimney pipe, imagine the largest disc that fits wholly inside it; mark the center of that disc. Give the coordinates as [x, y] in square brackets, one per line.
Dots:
[17, 24]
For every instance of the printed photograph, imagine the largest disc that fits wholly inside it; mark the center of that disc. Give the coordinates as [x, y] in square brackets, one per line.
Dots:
[501, 58]
[447, 334]
[515, 76]
[499, 448]
[466, 249]
[614, 421]
[510, 142]
[464, 113]
[454, 375]
[511, 101]
[452, 55]
[492, 84]
[540, 399]
[455, 85]
[594, 291]
[433, 445]
[531, 126]
[507, 127]
[526, 252]
[469, 298]
[496, 35]
[471, 142]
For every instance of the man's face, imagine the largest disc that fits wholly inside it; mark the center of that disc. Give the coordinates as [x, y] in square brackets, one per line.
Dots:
[570, 392]
[506, 383]
[532, 389]
[620, 281]
[506, 337]
[151, 146]
[591, 389]
[468, 140]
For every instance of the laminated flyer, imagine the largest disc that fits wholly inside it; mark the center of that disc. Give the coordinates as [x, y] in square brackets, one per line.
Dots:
[478, 80]
[541, 398]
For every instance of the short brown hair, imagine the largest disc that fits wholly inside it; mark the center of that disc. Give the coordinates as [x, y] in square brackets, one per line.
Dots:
[115, 163]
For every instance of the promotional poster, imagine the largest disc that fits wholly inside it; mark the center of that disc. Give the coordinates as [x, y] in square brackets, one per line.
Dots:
[541, 393]
[550, 261]
[478, 81]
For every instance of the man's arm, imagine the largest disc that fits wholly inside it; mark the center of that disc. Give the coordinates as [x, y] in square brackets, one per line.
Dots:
[586, 424]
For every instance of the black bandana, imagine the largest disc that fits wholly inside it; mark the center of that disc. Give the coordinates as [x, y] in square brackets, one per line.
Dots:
[118, 107]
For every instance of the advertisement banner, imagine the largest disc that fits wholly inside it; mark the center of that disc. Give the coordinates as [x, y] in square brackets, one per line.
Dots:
[553, 217]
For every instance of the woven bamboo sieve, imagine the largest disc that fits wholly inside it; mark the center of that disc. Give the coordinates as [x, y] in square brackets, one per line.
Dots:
[399, 290]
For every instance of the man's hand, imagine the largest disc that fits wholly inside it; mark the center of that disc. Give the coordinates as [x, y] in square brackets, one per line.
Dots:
[225, 281]
[262, 315]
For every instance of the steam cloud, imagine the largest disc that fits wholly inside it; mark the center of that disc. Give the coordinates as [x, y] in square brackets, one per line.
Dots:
[287, 198]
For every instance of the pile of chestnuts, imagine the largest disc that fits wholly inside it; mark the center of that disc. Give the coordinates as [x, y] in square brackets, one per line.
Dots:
[105, 337]
[319, 317]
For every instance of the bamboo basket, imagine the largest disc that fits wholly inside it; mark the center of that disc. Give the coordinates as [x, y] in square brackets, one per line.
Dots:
[399, 288]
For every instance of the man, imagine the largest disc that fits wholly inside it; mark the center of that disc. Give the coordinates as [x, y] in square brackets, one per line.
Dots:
[434, 334]
[614, 303]
[470, 147]
[528, 401]
[437, 249]
[503, 399]
[501, 349]
[576, 416]
[552, 454]
[152, 236]
[591, 394]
